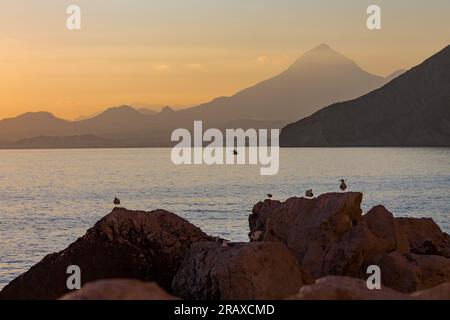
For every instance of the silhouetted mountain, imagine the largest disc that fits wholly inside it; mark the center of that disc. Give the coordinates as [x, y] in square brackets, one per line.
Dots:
[411, 110]
[45, 142]
[318, 78]
[34, 124]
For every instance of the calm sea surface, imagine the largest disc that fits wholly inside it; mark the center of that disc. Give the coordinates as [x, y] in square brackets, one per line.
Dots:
[48, 198]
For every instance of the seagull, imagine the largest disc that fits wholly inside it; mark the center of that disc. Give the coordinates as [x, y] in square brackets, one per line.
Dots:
[116, 202]
[235, 152]
[269, 195]
[309, 193]
[343, 186]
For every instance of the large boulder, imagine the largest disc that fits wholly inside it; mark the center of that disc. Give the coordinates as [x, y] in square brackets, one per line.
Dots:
[383, 225]
[149, 246]
[258, 270]
[415, 235]
[350, 256]
[261, 211]
[441, 292]
[310, 227]
[409, 272]
[424, 236]
[330, 236]
[119, 289]
[345, 288]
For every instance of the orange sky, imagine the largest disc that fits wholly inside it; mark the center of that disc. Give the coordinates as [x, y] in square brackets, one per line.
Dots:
[189, 51]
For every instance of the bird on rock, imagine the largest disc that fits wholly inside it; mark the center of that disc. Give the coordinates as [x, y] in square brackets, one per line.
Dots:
[343, 186]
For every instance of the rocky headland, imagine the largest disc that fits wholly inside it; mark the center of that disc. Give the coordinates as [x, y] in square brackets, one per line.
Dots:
[298, 249]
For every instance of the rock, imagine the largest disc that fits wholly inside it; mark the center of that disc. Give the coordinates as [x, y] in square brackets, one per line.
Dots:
[256, 236]
[119, 289]
[441, 292]
[419, 236]
[350, 256]
[383, 225]
[345, 288]
[411, 272]
[329, 236]
[149, 246]
[308, 227]
[257, 270]
[260, 212]
[424, 236]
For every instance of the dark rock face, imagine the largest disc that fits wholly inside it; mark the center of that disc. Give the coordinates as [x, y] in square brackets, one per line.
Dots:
[329, 236]
[119, 289]
[258, 270]
[149, 246]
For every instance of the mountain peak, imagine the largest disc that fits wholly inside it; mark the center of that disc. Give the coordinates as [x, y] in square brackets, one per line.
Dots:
[322, 55]
[322, 46]
[37, 115]
[167, 110]
[124, 109]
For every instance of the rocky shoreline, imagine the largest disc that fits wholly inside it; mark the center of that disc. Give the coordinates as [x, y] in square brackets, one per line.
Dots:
[298, 249]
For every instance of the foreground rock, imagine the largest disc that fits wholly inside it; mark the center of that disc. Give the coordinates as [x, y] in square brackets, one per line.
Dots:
[149, 246]
[412, 272]
[346, 288]
[119, 289]
[330, 236]
[264, 270]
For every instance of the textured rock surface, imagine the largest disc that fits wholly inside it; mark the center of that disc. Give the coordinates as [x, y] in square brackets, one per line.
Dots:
[441, 292]
[309, 227]
[329, 236]
[149, 246]
[423, 236]
[411, 272]
[119, 289]
[258, 270]
[345, 288]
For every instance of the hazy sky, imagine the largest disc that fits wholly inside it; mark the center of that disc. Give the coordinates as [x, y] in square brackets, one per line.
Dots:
[182, 52]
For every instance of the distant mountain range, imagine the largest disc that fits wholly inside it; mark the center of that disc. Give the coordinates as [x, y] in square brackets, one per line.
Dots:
[412, 110]
[320, 77]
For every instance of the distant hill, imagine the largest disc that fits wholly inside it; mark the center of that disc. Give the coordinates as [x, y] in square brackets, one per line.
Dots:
[412, 110]
[44, 142]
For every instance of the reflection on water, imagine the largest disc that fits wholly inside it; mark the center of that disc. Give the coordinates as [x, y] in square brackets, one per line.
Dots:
[48, 198]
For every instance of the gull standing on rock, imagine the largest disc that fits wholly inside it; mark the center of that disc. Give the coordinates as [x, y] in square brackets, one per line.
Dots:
[343, 186]
[309, 193]
[116, 202]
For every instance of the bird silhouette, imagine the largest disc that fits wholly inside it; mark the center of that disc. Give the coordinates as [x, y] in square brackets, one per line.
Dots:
[309, 193]
[116, 202]
[235, 152]
[269, 195]
[343, 186]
